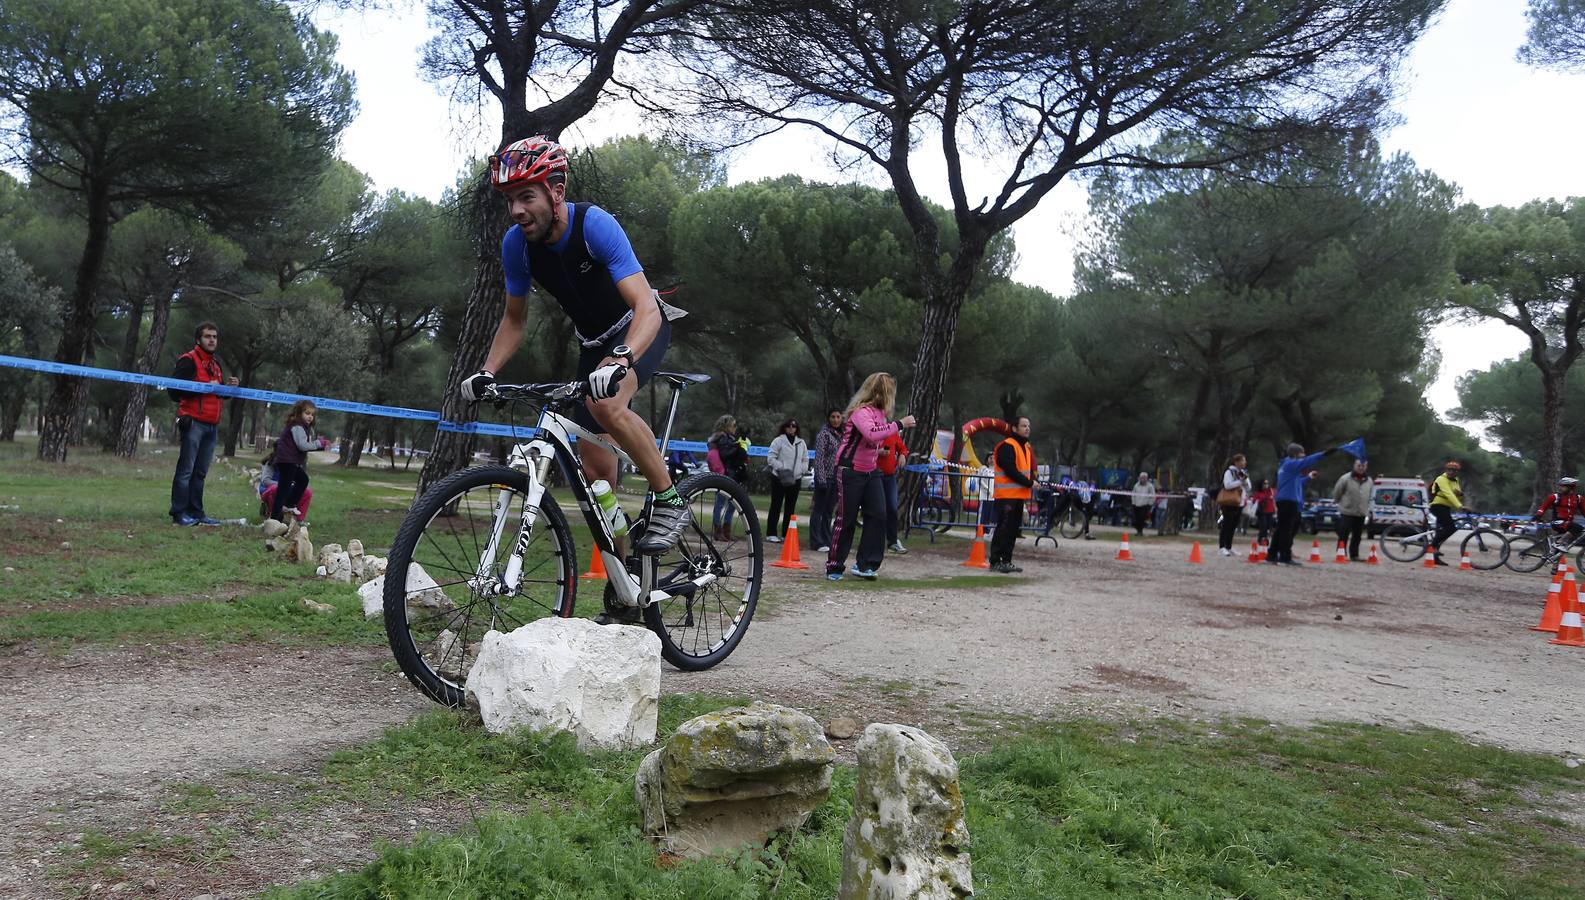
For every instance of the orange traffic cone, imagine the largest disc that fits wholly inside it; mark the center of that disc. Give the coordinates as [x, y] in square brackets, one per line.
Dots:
[1463, 563]
[1373, 561]
[1315, 551]
[1122, 551]
[1570, 630]
[1342, 553]
[596, 565]
[1254, 551]
[1265, 550]
[1430, 559]
[977, 558]
[1194, 555]
[1552, 612]
[789, 548]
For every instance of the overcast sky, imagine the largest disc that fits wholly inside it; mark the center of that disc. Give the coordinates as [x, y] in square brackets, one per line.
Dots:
[1504, 133]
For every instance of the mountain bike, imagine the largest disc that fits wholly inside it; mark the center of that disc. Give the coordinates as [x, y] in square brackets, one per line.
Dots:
[1543, 547]
[1486, 546]
[488, 548]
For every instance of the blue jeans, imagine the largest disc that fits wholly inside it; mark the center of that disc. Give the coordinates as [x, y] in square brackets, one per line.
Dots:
[723, 502]
[192, 467]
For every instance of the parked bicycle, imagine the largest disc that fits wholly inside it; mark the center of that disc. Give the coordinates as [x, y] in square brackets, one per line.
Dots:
[489, 548]
[1485, 545]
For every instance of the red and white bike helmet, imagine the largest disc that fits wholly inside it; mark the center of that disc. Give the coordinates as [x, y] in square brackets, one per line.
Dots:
[534, 160]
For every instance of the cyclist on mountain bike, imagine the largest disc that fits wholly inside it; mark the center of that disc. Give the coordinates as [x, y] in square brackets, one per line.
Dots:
[580, 256]
[1565, 506]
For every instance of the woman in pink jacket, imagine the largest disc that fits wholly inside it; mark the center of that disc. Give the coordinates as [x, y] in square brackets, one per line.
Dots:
[858, 478]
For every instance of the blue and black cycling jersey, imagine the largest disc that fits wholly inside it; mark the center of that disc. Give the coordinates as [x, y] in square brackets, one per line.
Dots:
[580, 270]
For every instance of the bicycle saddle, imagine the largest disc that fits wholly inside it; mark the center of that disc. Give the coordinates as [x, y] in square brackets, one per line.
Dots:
[683, 378]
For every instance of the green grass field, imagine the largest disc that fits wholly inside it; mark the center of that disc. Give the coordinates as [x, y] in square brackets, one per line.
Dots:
[1071, 809]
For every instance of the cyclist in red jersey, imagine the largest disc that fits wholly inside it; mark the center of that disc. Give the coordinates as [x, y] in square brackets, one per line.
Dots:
[1565, 507]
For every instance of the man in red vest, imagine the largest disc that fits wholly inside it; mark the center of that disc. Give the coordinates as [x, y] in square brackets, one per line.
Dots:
[197, 424]
[1015, 482]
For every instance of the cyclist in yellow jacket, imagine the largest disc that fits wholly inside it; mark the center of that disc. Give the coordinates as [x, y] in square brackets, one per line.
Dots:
[1447, 496]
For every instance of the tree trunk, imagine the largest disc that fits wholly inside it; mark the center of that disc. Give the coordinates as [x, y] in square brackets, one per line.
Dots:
[77, 332]
[352, 444]
[129, 354]
[11, 414]
[131, 424]
[486, 301]
[1550, 464]
[1186, 432]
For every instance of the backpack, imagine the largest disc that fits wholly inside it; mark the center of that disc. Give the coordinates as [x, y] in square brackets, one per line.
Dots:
[713, 459]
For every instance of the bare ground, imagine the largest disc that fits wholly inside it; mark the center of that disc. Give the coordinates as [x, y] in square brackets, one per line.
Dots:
[196, 757]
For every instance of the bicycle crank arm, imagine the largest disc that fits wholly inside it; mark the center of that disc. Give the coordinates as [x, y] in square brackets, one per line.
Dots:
[686, 589]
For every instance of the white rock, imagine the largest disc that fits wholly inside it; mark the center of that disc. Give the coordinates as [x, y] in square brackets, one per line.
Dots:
[734, 777]
[600, 682]
[320, 571]
[422, 592]
[313, 605]
[907, 837]
[338, 566]
[373, 567]
[355, 558]
[274, 528]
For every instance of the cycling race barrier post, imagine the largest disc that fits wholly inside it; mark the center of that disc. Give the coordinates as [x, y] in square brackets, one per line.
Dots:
[1122, 550]
[1570, 631]
[1552, 610]
[1373, 561]
[1194, 554]
[789, 548]
[977, 558]
[1315, 551]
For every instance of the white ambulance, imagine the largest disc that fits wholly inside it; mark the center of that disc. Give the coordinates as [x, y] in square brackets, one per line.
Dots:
[1398, 501]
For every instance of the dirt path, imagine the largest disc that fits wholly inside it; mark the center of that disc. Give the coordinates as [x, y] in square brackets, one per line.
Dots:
[105, 738]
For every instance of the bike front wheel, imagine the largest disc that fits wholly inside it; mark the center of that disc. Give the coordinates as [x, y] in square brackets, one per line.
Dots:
[1526, 554]
[700, 624]
[440, 595]
[1071, 525]
[1404, 543]
[1486, 548]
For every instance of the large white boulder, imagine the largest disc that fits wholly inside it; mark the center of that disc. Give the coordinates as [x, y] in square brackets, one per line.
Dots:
[734, 777]
[423, 593]
[600, 682]
[907, 837]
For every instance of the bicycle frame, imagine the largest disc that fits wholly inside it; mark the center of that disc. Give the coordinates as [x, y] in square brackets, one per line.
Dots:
[534, 458]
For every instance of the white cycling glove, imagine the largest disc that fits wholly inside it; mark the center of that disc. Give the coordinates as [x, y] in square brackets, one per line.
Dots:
[604, 380]
[473, 386]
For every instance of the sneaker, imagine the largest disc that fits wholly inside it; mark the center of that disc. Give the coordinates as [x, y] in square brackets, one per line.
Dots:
[898, 548]
[824, 548]
[208, 520]
[184, 520]
[1001, 567]
[664, 529]
[864, 573]
[1292, 562]
[773, 539]
[1088, 536]
[1440, 561]
[1009, 567]
[833, 576]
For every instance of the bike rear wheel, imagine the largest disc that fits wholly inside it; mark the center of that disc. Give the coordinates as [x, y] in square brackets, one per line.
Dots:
[1071, 524]
[1526, 553]
[700, 626]
[1487, 548]
[1404, 543]
[439, 604]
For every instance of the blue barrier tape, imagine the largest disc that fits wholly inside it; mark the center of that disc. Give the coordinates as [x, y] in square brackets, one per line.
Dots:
[487, 429]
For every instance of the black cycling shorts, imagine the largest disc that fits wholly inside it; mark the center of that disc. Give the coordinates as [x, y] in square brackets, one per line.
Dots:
[644, 367]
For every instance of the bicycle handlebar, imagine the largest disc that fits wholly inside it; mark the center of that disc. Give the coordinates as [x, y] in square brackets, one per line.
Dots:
[552, 392]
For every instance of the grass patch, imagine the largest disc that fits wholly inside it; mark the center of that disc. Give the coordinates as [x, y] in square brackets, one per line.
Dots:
[1079, 809]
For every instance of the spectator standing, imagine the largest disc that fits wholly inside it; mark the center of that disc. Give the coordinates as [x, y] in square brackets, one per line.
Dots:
[732, 458]
[1447, 497]
[788, 460]
[291, 459]
[859, 484]
[197, 425]
[1352, 493]
[1265, 500]
[893, 452]
[1144, 501]
[1086, 504]
[1291, 479]
[823, 501]
[1230, 501]
[1015, 482]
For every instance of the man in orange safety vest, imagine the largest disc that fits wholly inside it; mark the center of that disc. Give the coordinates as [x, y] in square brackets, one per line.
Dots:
[1014, 462]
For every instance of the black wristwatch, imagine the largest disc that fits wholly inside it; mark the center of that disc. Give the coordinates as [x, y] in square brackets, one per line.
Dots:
[625, 352]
